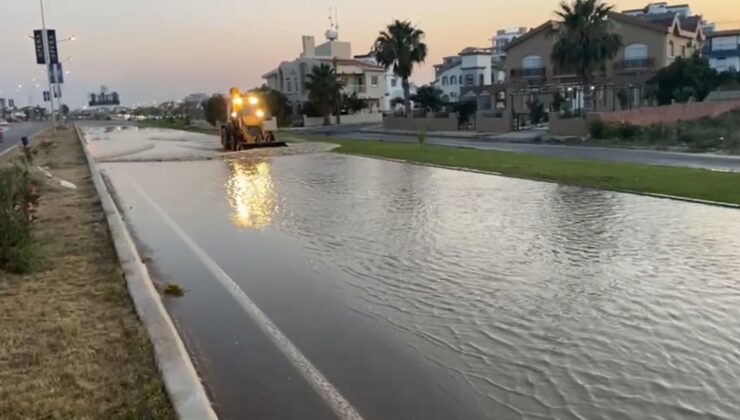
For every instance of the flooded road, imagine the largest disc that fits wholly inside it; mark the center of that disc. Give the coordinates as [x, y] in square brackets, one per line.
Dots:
[427, 293]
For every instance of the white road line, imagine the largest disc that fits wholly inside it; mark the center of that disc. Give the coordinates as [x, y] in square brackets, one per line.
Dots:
[341, 407]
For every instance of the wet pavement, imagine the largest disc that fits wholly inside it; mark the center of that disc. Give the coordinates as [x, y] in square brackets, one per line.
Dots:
[718, 162]
[418, 292]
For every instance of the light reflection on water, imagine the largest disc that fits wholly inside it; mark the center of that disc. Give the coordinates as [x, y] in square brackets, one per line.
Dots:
[251, 193]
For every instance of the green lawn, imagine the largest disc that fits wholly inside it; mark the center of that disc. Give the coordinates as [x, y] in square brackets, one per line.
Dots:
[682, 182]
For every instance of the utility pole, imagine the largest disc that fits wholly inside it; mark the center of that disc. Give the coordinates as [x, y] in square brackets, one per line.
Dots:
[47, 59]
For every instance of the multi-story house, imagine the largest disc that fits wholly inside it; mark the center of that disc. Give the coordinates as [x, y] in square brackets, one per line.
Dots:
[722, 48]
[363, 78]
[662, 10]
[471, 67]
[393, 84]
[648, 46]
[502, 38]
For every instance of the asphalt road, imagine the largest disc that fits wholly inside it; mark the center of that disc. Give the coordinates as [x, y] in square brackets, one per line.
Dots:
[13, 133]
[646, 157]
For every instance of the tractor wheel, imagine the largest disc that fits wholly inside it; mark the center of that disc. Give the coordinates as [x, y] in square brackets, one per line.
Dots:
[225, 139]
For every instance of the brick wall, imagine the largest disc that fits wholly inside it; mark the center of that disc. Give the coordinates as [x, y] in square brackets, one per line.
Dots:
[671, 113]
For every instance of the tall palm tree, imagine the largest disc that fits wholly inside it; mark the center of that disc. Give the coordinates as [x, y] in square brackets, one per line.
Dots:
[323, 86]
[585, 41]
[401, 45]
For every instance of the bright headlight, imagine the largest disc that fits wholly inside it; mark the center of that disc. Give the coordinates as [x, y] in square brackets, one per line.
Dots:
[237, 101]
[233, 114]
[260, 113]
[253, 100]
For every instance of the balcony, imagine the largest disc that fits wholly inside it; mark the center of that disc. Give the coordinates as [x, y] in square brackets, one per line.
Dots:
[355, 88]
[530, 73]
[634, 65]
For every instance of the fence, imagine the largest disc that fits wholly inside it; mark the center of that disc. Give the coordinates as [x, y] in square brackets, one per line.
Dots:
[489, 122]
[576, 127]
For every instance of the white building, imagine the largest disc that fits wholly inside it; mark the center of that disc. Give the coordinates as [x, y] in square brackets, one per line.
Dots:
[366, 79]
[393, 84]
[472, 67]
[654, 11]
[502, 38]
[722, 48]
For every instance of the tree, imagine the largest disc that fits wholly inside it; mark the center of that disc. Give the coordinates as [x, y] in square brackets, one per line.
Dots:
[214, 109]
[277, 103]
[585, 41]
[323, 86]
[684, 79]
[465, 110]
[64, 109]
[429, 98]
[401, 46]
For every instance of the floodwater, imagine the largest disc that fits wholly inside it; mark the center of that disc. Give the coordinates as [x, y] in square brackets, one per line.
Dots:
[430, 293]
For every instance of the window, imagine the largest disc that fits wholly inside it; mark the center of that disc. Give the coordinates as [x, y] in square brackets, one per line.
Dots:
[360, 80]
[289, 86]
[532, 62]
[481, 79]
[374, 80]
[671, 49]
[469, 80]
[460, 80]
[725, 43]
[394, 82]
[683, 51]
[636, 52]
[444, 81]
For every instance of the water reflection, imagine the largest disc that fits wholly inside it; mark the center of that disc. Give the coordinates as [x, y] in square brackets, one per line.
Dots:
[251, 193]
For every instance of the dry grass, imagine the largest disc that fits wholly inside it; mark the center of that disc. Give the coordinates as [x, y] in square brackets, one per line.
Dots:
[71, 345]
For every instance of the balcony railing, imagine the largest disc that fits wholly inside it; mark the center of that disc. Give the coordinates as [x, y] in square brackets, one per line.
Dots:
[635, 64]
[355, 88]
[530, 73]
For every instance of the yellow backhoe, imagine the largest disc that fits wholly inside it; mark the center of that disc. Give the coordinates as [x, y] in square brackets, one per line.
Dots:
[248, 124]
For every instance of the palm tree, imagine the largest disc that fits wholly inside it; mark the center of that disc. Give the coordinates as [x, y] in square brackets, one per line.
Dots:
[323, 87]
[401, 46]
[585, 41]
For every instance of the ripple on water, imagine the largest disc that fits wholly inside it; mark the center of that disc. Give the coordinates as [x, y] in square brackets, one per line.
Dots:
[549, 301]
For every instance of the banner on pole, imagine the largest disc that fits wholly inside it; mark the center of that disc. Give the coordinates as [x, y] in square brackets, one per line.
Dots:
[47, 97]
[56, 73]
[38, 42]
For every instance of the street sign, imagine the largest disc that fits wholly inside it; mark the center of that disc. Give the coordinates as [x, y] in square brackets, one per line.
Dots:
[11, 103]
[51, 39]
[38, 42]
[56, 73]
[47, 97]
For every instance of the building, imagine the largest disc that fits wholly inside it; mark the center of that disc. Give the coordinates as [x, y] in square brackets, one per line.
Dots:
[533, 80]
[475, 66]
[363, 78]
[663, 10]
[393, 84]
[722, 48]
[502, 38]
[471, 67]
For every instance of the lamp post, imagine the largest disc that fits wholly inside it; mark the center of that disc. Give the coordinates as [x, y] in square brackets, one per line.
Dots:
[47, 59]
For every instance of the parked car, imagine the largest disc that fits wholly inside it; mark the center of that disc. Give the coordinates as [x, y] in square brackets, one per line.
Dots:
[3, 123]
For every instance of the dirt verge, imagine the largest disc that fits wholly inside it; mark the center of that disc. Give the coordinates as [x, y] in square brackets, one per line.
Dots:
[72, 346]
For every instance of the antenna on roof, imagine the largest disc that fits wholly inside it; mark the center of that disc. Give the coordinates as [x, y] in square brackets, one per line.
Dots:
[333, 33]
[336, 18]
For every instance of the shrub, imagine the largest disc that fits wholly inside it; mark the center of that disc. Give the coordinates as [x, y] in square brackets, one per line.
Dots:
[658, 133]
[598, 129]
[19, 194]
[628, 131]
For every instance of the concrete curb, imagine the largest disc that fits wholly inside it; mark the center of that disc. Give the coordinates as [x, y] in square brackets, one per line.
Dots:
[477, 171]
[8, 150]
[181, 380]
